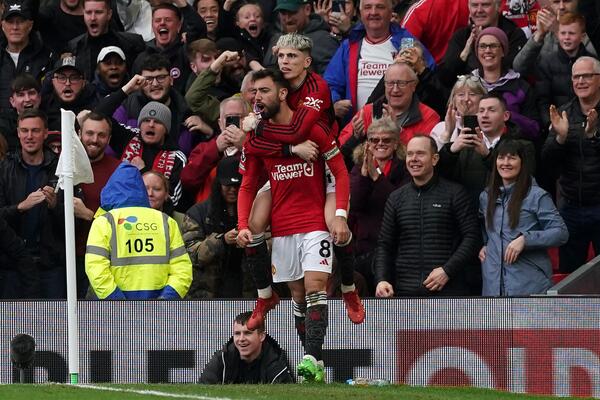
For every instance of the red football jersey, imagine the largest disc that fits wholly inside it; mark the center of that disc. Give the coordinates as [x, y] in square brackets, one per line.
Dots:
[297, 187]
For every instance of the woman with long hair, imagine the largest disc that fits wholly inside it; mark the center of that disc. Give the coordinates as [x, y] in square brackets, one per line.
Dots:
[521, 223]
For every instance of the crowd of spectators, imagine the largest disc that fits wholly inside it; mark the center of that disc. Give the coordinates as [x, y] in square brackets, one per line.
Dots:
[443, 107]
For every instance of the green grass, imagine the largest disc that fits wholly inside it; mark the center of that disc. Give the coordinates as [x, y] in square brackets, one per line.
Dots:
[266, 392]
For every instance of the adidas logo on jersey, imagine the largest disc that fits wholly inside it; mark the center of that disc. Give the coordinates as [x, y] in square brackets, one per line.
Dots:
[324, 262]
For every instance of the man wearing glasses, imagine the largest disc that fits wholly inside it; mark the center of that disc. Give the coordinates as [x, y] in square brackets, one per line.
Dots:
[461, 55]
[362, 59]
[159, 87]
[400, 103]
[69, 91]
[149, 143]
[573, 148]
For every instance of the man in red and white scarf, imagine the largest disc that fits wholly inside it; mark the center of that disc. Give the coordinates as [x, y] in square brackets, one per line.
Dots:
[150, 146]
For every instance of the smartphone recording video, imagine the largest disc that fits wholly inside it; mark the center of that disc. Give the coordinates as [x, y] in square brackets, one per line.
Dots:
[470, 121]
[232, 120]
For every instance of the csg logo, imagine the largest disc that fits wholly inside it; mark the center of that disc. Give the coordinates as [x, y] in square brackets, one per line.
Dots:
[127, 221]
[132, 222]
[560, 362]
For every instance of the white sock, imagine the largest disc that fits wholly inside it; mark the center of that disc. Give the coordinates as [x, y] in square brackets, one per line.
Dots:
[348, 289]
[266, 292]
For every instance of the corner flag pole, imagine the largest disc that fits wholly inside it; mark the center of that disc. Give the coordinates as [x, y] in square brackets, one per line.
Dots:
[68, 126]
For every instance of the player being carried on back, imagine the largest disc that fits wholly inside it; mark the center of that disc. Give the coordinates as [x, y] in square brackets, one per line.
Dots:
[302, 252]
[310, 99]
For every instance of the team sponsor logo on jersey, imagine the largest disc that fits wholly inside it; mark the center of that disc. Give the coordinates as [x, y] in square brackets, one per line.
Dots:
[324, 262]
[292, 171]
[273, 269]
[313, 103]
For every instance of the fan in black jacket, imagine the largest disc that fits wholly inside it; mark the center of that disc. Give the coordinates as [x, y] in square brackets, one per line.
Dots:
[250, 356]
[429, 231]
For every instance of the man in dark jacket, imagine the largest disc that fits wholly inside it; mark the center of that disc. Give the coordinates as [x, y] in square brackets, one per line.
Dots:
[21, 49]
[169, 21]
[25, 94]
[429, 231]
[30, 205]
[97, 15]
[250, 356]
[70, 91]
[573, 148]
[111, 71]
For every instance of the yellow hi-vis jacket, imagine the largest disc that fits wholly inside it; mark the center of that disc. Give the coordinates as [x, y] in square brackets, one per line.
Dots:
[137, 253]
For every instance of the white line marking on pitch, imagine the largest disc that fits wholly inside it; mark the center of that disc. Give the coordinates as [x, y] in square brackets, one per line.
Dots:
[149, 392]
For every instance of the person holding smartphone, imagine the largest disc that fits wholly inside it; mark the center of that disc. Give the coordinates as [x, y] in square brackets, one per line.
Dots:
[463, 102]
[467, 158]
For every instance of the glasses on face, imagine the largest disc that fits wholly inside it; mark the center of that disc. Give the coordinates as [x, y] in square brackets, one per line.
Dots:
[400, 84]
[585, 77]
[374, 140]
[159, 78]
[71, 78]
[490, 46]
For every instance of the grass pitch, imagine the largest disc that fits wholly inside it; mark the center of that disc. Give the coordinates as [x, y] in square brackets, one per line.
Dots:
[251, 392]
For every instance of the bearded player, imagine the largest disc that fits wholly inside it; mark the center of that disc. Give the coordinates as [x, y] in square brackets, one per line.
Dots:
[302, 252]
[310, 100]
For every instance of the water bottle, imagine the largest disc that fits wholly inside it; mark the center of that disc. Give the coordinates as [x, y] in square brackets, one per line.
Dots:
[378, 382]
[367, 382]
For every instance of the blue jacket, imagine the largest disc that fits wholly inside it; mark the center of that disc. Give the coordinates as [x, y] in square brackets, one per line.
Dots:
[125, 188]
[542, 227]
[342, 72]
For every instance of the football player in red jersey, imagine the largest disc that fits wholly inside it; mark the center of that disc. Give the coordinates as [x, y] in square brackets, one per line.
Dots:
[302, 245]
[310, 98]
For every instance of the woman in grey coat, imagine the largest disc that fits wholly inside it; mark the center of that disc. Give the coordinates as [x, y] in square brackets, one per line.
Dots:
[521, 223]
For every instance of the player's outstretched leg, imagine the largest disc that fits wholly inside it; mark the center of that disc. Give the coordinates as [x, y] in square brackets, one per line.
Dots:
[299, 321]
[344, 253]
[311, 367]
[259, 264]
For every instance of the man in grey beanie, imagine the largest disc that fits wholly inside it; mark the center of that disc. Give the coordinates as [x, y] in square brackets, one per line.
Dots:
[149, 147]
[155, 113]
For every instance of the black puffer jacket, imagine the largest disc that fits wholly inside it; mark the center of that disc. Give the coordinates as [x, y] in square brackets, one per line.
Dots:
[223, 367]
[423, 228]
[577, 161]
[35, 59]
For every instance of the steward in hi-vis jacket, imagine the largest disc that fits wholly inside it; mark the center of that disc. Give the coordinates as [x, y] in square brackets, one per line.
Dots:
[134, 251]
